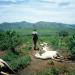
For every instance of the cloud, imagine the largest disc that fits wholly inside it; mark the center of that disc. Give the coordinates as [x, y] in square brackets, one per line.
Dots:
[36, 10]
[8, 2]
[47, 1]
[64, 4]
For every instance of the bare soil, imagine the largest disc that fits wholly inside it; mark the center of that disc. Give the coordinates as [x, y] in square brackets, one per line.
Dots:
[37, 65]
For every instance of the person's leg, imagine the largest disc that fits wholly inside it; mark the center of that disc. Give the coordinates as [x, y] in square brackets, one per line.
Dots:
[34, 44]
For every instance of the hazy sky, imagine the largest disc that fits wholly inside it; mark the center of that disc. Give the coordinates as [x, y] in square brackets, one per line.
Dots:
[37, 10]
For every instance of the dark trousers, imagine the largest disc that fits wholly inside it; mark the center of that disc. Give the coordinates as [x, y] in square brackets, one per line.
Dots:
[35, 43]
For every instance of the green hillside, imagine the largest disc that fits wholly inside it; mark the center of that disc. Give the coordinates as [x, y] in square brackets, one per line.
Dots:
[41, 24]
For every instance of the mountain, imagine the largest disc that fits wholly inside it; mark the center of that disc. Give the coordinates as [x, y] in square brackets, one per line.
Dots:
[41, 24]
[72, 26]
[52, 25]
[19, 25]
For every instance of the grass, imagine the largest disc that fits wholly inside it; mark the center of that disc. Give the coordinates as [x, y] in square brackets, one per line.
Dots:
[20, 62]
[50, 62]
[16, 61]
[45, 35]
[50, 71]
[56, 71]
[9, 56]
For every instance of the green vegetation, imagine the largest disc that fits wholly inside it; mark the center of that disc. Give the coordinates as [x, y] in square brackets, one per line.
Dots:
[16, 61]
[50, 62]
[16, 42]
[51, 71]
[15, 52]
[56, 71]
[20, 62]
[9, 40]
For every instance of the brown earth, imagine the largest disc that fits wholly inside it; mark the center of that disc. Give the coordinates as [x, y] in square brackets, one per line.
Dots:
[2, 53]
[37, 65]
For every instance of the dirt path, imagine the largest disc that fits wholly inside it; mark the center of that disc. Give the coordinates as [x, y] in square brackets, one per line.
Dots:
[35, 65]
[38, 64]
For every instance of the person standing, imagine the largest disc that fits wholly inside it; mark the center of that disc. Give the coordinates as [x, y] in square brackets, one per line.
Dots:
[34, 38]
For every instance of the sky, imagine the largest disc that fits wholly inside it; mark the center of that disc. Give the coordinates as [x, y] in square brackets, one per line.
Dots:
[61, 11]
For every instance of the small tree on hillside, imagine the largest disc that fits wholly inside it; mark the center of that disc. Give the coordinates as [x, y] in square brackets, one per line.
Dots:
[63, 33]
[62, 36]
[71, 46]
[3, 41]
[13, 40]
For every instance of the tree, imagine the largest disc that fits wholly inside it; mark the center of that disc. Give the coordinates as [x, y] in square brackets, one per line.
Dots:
[13, 40]
[71, 46]
[63, 33]
[3, 41]
[62, 36]
[9, 40]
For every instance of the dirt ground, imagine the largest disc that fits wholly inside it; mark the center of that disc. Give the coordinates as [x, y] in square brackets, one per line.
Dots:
[2, 53]
[37, 65]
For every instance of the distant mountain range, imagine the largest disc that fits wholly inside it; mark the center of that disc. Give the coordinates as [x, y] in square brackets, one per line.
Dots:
[40, 24]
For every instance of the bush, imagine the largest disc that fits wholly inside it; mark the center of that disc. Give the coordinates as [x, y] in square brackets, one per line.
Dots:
[9, 56]
[50, 62]
[72, 72]
[71, 46]
[63, 33]
[51, 71]
[9, 40]
[16, 61]
[20, 62]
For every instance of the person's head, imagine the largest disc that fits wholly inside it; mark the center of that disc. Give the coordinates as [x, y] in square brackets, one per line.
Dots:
[34, 30]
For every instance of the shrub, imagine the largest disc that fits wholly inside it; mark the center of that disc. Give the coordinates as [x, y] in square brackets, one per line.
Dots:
[50, 62]
[9, 56]
[20, 62]
[16, 61]
[71, 47]
[51, 71]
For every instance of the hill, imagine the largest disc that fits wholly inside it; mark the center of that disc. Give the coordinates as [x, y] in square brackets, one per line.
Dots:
[13, 25]
[41, 24]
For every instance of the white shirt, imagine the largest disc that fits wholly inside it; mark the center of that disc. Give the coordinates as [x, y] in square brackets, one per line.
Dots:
[34, 32]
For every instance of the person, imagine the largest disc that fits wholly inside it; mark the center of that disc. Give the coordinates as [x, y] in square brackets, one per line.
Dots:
[35, 38]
